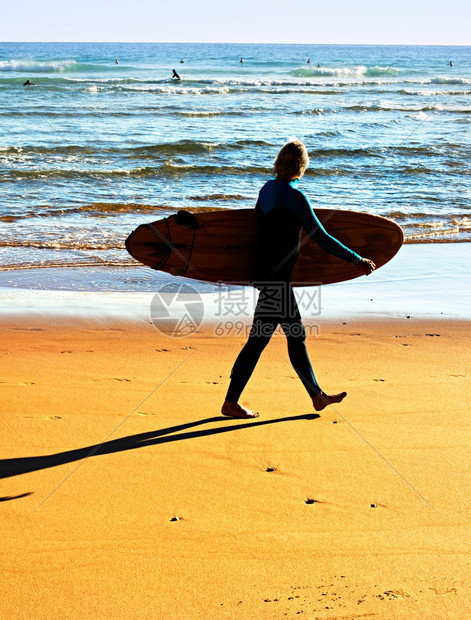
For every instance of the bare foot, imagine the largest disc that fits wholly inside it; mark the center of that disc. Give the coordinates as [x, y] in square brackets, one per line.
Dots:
[321, 400]
[234, 410]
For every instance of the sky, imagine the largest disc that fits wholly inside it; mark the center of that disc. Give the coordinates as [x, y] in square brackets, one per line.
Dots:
[417, 22]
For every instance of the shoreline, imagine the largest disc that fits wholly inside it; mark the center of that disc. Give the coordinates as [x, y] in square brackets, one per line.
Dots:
[418, 282]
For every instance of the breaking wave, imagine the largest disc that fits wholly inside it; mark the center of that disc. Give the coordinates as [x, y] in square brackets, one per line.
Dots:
[55, 66]
[345, 72]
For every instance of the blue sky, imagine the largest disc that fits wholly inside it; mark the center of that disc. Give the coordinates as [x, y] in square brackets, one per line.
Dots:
[265, 21]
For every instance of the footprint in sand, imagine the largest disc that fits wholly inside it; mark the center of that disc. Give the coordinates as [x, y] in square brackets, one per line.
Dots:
[28, 329]
[442, 592]
[38, 417]
[66, 351]
[17, 384]
[389, 594]
[112, 379]
[197, 382]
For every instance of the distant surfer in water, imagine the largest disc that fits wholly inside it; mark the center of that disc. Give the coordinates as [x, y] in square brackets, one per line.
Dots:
[28, 83]
[284, 210]
[175, 75]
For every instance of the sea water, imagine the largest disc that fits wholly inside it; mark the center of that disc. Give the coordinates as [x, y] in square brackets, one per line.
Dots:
[105, 140]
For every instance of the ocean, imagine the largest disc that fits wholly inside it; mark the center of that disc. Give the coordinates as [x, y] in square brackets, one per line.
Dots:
[105, 140]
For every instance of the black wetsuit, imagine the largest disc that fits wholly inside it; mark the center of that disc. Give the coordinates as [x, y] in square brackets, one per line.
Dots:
[284, 211]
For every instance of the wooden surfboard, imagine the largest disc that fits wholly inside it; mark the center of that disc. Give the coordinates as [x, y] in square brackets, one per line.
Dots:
[220, 246]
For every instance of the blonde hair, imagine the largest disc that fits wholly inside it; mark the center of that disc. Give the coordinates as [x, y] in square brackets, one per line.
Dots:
[291, 161]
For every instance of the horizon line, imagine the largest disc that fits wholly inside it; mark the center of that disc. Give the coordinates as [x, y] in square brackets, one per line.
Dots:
[251, 43]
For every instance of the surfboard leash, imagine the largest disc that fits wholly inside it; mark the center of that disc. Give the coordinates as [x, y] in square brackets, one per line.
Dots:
[172, 247]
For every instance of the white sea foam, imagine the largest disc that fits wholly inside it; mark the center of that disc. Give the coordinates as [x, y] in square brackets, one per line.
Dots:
[358, 71]
[434, 93]
[421, 116]
[175, 90]
[441, 79]
[34, 66]
[96, 80]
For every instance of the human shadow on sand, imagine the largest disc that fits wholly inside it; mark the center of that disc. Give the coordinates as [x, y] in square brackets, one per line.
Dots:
[8, 498]
[23, 465]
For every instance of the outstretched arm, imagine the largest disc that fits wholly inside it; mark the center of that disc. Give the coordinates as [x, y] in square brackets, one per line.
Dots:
[327, 242]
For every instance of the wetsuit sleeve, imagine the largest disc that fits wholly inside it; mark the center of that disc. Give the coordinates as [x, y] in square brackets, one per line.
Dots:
[318, 233]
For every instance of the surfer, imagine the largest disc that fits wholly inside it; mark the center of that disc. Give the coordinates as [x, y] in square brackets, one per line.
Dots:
[284, 210]
[175, 75]
[28, 83]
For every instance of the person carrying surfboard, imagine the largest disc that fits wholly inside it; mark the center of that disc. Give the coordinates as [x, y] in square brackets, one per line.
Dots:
[284, 210]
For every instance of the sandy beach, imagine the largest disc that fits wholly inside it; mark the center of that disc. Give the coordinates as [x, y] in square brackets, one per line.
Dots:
[125, 494]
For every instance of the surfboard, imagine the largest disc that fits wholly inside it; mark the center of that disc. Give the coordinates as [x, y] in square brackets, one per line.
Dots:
[220, 246]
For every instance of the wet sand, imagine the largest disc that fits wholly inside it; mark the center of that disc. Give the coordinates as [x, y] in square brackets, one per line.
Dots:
[124, 493]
